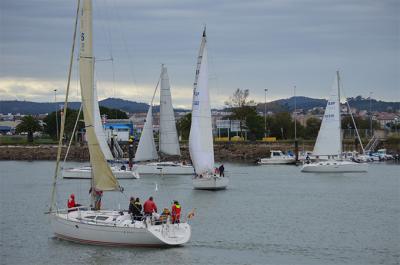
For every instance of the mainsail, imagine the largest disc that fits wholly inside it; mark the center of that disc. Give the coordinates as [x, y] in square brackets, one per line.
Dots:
[147, 148]
[329, 140]
[169, 143]
[200, 139]
[103, 178]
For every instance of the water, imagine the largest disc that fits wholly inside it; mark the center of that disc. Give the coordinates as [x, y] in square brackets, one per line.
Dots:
[269, 215]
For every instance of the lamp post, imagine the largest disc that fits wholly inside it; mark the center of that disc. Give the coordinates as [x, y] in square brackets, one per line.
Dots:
[370, 113]
[296, 145]
[55, 101]
[265, 113]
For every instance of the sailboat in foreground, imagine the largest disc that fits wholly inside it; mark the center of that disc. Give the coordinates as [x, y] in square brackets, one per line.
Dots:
[103, 227]
[201, 145]
[329, 140]
[168, 137]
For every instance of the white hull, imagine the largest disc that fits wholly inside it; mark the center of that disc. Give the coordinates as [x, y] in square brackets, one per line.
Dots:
[276, 161]
[332, 166]
[86, 172]
[210, 182]
[119, 231]
[164, 168]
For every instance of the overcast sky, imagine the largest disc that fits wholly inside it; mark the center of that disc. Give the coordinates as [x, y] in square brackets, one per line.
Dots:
[251, 44]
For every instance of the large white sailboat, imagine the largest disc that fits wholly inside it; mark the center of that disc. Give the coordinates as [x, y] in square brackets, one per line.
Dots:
[201, 145]
[168, 137]
[103, 227]
[329, 140]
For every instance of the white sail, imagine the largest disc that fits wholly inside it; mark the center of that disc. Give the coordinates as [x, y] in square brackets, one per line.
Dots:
[103, 178]
[200, 139]
[329, 140]
[147, 148]
[169, 143]
[98, 128]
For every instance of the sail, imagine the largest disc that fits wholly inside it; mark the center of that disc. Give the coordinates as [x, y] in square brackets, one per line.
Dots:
[329, 140]
[169, 143]
[98, 128]
[147, 148]
[200, 139]
[103, 178]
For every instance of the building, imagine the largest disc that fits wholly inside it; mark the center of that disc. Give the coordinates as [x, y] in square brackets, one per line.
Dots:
[121, 129]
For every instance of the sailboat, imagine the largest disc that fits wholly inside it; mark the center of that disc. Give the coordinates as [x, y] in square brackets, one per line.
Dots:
[329, 140]
[201, 145]
[168, 137]
[104, 227]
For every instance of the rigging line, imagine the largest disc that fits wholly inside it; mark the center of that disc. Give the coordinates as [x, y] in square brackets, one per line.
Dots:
[57, 169]
[73, 133]
[131, 68]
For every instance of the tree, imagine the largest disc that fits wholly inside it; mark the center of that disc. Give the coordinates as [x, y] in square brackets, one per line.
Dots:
[183, 126]
[113, 113]
[29, 125]
[50, 120]
[240, 106]
[312, 128]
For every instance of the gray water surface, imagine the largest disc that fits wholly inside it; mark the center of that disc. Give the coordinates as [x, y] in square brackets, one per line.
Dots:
[269, 215]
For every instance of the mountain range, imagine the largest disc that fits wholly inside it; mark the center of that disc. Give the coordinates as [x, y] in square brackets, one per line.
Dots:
[305, 103]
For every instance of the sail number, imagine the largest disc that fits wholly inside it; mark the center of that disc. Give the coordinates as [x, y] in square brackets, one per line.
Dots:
[82, 36]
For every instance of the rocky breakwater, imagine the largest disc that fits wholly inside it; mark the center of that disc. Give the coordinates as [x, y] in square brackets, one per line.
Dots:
[224, 151]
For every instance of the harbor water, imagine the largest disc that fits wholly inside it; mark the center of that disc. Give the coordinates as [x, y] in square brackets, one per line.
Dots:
[268, 215]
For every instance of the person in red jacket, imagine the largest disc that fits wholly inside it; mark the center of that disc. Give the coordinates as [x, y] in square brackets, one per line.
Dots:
[176, 213]
[149, 207]
[71, 201]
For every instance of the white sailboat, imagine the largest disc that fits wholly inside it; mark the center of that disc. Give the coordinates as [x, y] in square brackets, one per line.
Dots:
[104, 227]
[200, 139]
[168, 137]
[329, 140]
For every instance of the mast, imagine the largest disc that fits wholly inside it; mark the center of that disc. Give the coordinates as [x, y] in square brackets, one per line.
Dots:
[340, 118]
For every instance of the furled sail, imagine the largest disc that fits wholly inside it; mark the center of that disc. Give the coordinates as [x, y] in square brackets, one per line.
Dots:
[169, 143]
[103, 178]
[329, 140]
[98, 127]
[147, 148]
[200, 139]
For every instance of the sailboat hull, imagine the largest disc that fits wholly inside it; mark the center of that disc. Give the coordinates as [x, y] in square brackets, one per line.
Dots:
[120, 232]
[164, 168]
[210, 182]
[86, 172]
[335, 167]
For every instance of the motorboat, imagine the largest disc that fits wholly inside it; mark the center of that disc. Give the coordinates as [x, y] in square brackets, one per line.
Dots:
[277, 157]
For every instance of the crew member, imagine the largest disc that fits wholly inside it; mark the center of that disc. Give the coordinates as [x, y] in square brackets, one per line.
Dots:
[149, 207]
[221, 171]
[176, 212]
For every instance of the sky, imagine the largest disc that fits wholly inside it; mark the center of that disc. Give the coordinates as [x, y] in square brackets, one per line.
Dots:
[254, 44]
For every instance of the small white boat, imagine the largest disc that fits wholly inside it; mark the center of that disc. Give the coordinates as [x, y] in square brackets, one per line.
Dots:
[114, 228]
[329, 140]
[86, 173]
[201, 146]
[332, 166]
[277, 158]
[164, 168]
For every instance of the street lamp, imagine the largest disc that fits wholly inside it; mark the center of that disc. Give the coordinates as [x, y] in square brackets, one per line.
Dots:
[265, 113]
[55, 101]
[370, 113]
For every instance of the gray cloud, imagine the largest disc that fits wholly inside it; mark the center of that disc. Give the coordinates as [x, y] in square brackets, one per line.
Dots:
[252, 44]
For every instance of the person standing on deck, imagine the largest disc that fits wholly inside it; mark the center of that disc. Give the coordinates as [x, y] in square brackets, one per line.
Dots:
[221, 171]
[149, 207]
[176, 212]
